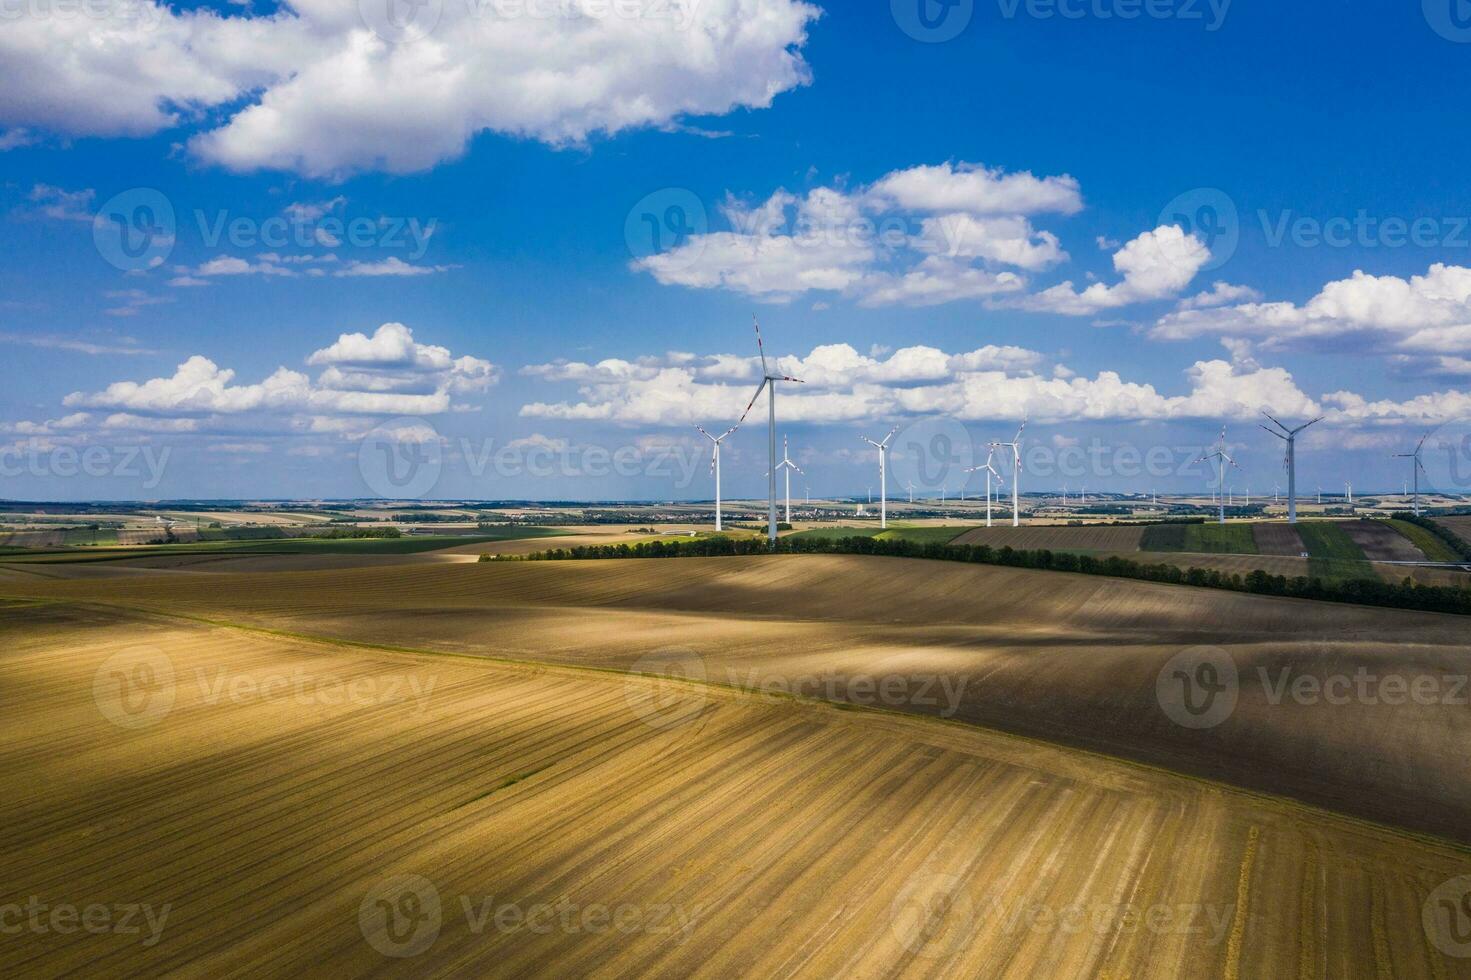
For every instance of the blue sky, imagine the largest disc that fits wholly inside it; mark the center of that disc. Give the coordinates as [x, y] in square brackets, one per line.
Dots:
[1023, 153]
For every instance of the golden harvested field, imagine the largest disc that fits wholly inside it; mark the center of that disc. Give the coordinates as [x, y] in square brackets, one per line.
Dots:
[1072, 659]
[271, 806]
[1060, 538]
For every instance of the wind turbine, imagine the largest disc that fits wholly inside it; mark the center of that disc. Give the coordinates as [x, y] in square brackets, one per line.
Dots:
[1416, 465]
[715, 467]
[990, 472]
[768, 384]
[1289, 436]
[787, 464]
[910, 487]
[1221, 458]
[1016, 470]
[883, 448]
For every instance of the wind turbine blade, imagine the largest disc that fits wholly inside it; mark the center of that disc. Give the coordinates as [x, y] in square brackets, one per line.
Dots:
[1306, 424]
[759, 388]
[760, 347]
[797, 380]
[1421, 444]
[1274, 432]
[1274, 421]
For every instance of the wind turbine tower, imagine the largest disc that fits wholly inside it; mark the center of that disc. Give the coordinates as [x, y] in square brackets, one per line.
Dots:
[768, 384]
[715, 467]
[883, 448]
[1416, 464]
[787, 464]
[1222, 460]
[1016, 470]
[1289, 436]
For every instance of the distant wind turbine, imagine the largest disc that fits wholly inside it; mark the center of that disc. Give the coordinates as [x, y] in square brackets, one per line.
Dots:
[715, 467]
[768, 384]
[1222, 459]
[1416, 465]
[990, 472]
[787, 464]
[883, 448]
[1289, 436]
[1016, 470]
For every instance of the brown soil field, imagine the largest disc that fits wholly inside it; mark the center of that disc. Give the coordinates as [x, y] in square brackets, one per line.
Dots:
[1460, 525]
[1072, 659]
[1381, 542]
[1061, 538]
[32, 539]
[399, 813]
[1278, 539]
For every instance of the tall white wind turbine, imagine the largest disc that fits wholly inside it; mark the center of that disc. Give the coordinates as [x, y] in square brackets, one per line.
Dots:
[768, 384]
[1416, 465]
[990, 472]
[883, 447]
[1016, 472]
[787, 464]
[715, 467]
[1222, 459]
[1289, 436]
